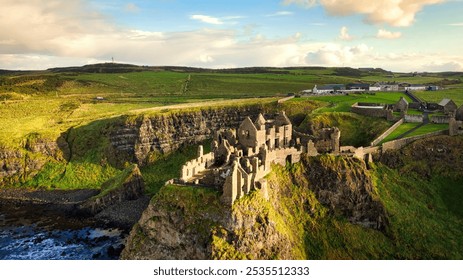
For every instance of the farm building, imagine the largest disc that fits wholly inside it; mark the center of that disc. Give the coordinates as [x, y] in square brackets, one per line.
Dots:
[447, 105]
[358, 87]
[388, 86]
[415, 87]
[333, 88]
[401, 105]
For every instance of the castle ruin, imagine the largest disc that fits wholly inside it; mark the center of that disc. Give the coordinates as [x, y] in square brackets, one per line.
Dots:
[240, 159]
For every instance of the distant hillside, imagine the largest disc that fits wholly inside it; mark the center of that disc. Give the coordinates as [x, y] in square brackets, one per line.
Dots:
[126, 68]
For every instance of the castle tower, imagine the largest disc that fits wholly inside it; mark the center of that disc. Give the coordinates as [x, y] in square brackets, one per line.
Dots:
[260, 122]
[232, 186]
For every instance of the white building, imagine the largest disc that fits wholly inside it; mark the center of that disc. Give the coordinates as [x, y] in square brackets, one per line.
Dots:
[415, 87]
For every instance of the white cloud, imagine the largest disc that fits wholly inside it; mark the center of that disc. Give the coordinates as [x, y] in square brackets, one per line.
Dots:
[207, 19]
[385, 34]
[205, 58]
[232, 17]
[456, 24]
[281, 13]
[303, 3]
[344, 34]
[393, 12]
[337, 55]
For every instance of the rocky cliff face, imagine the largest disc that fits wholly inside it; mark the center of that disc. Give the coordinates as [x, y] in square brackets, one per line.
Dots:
[127, 186]
[440, 155]
[135, 140]
[191, 223]
[344, 185]
[18, 165]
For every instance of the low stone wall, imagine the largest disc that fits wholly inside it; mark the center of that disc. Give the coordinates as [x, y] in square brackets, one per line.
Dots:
[397, 144]
[440, 119]
[386, 133]
[413, 118]
[371, 112]
[433, 106]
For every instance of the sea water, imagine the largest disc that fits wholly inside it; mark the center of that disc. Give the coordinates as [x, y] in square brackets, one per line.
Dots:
[31, 233]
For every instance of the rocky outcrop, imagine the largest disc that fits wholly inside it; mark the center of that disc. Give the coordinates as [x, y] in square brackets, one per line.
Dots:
[11, 163]
[127, 186]
[438, 155]
[345, 186]
[134, 140]
[25, 162]
[18, 165]
[191, 223]
[176, 225]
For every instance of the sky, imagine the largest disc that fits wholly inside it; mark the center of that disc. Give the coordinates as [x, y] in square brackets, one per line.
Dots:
[396, 35]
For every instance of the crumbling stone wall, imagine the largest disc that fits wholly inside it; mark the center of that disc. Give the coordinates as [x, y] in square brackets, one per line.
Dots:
[361, 109]
[440, 119]
[413, 118]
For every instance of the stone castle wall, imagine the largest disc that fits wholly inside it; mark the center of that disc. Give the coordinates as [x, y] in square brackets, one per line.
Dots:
[193, 167]
[386, 133]
[397, 144]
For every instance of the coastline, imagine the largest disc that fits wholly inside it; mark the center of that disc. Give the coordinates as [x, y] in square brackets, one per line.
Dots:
[122, 214]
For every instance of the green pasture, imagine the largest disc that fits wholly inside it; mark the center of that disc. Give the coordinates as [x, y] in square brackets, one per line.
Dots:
[399, 131]
[343, 103]
[456, 94]
[428, 128]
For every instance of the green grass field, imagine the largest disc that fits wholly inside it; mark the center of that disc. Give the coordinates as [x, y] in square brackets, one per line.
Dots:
[399, 131]
[456, 94]
[430, 127]
[343, 103]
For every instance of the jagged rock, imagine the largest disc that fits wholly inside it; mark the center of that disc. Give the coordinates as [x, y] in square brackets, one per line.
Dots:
[345, 186]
